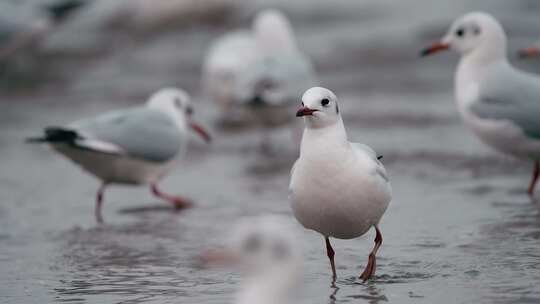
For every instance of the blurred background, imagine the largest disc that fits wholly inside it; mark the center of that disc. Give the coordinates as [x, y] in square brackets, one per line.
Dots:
[460, 229]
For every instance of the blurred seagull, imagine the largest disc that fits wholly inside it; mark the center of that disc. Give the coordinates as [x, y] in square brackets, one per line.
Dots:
[268, 253]
[531, 51]
[131, 146]
[258, 71]
[18, 33]
[498, 102]
[338, 188]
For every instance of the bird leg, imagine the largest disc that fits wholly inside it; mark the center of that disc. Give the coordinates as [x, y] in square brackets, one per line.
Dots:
[330, 252]
[99, 202]
[371, 265]
[176, 201]
[534, 178]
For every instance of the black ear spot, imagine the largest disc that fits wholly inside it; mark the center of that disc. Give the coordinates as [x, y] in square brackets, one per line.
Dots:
[280, 250]
[476, 30]
[337, 109]
[253, 243]
[178, 102]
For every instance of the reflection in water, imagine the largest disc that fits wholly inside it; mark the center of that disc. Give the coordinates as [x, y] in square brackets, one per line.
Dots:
[507, 253]
[334, 292]
[130, 261]
[372, 294]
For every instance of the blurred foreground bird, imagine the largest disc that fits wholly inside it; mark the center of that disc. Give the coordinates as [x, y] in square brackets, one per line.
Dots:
[257, 73]
[500, 103]
[269, 255]
[338, 188]
[131, 146]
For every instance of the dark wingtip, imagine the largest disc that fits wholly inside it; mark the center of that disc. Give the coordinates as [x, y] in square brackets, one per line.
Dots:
[63, 8]
[379, 157]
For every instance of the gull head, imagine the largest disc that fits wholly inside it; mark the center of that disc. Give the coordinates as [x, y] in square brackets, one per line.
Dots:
[268, 253]
[319, 108]
[477, 33]
[176, 103]
[273, 32]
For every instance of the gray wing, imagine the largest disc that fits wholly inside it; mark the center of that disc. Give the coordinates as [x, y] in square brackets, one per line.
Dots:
[367, 150]
[510, 95]
[142, 133]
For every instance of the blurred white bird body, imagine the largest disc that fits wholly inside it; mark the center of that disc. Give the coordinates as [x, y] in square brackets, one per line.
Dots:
[338, 188]
[257, 69]
[228, 57]
[268, 252]
[498, 102]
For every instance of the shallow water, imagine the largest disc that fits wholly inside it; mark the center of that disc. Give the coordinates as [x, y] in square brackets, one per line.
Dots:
[459, 230]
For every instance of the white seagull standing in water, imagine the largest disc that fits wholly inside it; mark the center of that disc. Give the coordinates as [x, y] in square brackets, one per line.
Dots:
[498, 102]
[131, 146]
[338, 188]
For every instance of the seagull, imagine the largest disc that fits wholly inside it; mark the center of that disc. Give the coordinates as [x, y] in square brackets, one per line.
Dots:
[500, 103]
[132, 146]
[254, 72]
[268, 253]
[531, 51]
[18, 33]
[338, 188]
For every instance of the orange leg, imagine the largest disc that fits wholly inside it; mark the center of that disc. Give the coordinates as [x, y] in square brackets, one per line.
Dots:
[369, 271]
[330, 252]
[176, 201]
[534, 178]
[99, 202]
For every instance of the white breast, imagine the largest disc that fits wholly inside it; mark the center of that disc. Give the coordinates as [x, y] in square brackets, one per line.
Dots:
[342, 199]
[115, 168]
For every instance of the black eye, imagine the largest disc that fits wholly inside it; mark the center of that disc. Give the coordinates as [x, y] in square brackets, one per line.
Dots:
[325, 101]
[476, 30]
[460, 32]
[252, 243]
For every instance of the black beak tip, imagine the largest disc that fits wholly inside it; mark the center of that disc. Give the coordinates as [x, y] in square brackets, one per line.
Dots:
[424, 53]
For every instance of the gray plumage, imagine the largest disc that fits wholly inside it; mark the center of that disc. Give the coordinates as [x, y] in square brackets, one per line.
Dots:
[141, 132]
[510, 94]
[380, 170]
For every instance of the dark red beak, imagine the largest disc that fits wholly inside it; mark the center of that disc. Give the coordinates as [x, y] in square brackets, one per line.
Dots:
[529, 52]
[434, 48]
[304, 111]
[200, 131]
